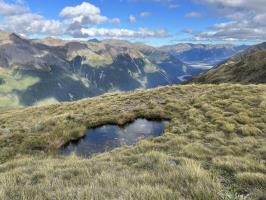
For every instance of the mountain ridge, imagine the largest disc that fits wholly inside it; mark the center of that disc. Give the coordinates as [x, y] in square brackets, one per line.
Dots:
[210, 54]
[70, 70]
[247, 67]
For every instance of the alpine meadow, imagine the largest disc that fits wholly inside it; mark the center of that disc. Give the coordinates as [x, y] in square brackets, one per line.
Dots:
[132, 100]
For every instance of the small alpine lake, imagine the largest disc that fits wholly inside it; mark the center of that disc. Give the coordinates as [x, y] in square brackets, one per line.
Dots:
[107, 137]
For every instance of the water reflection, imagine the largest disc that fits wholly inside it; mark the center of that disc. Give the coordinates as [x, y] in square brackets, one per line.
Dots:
[108, 137]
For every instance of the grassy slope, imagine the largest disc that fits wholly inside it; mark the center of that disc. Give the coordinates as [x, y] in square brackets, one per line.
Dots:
[248, 67]
[214, 147]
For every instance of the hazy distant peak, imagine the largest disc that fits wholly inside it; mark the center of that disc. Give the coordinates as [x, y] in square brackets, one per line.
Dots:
[51, 41]
[117, 42]
[246, 67]
[94, 40]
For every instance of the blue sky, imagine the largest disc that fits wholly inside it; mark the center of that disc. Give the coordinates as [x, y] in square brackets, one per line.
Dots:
[156, 22]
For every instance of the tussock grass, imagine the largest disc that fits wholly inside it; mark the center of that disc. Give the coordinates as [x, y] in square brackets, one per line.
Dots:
[213, 148]
[247, 179]
[249, 130]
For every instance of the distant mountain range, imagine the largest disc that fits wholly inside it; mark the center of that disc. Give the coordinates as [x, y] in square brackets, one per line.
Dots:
[203, 55]
[38, 71]
[246, 67]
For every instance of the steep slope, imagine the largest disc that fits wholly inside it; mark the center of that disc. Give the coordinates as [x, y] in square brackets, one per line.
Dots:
[163, 60]
[246, 67]
[213, 148]
[21, 61]
[51, 70]
[117, 66]
[202, 53]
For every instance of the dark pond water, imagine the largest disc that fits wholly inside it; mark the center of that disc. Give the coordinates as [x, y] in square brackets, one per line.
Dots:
[108, 137]
[2, 81]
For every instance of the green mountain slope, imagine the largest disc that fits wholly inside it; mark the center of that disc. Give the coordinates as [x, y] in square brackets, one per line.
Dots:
[203, 53]
[72, 70]
[213, 148]
[246, 67]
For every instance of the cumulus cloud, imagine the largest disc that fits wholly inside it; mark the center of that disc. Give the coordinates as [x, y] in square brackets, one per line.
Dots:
[132, 19]
[79, 21]
[246, 20]
[83, 14]
[12, 9]
[258, 5]
[85, 8]
[115, 21]
[17, 18]
[144, 14]
[29, 23]
[122, 33]
[193, 14]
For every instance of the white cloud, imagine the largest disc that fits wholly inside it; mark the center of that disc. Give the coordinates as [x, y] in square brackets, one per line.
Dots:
[246, 20]
[144, 14]
[79, 22]
[29, 23]
[122, 33]
[132, 19]
[257, 5]
[115, 21]
[12, 9]
[83, 14]
[85, 9]
[18, 18]
[193, 14]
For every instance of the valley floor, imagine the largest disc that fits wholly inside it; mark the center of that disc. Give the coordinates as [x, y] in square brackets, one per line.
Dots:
[213, 148]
